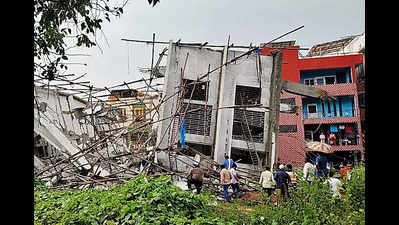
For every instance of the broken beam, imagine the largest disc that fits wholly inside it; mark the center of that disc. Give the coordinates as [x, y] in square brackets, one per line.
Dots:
[304, 90]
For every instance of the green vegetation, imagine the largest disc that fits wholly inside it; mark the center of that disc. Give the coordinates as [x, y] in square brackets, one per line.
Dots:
[146, 200]
[310, 204]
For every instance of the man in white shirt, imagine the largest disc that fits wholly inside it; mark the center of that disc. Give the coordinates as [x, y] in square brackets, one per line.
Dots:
[234, 181]
[334, 184]
[308, 171]
[267, 181]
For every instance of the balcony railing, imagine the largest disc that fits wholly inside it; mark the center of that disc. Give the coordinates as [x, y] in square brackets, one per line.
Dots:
[343, 114]
[343, 141]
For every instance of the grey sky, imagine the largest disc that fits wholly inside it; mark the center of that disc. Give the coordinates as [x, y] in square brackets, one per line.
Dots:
[250, 21]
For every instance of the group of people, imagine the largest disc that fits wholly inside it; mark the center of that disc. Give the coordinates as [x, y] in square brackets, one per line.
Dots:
[277, 181]
[320, 169]
[331, 139]
[280, 180]
[228, 177]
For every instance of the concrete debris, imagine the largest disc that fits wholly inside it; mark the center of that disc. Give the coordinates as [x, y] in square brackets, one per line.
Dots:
[92, 137]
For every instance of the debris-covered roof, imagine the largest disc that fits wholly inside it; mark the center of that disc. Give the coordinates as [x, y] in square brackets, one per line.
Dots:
[281, 44]
[330, 47]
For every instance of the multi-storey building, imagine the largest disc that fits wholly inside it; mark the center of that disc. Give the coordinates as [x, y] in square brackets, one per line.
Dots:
[331, 67]
[213, 122]
[136, 108]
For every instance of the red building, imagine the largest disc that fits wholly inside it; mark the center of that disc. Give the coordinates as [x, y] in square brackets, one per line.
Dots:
[340, 117]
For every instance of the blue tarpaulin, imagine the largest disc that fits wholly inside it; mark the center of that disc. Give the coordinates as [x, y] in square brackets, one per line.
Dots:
[333, 128]
[259, 50]
[182, 133]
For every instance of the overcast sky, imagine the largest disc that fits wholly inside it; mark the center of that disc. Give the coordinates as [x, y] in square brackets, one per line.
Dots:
[250, 21]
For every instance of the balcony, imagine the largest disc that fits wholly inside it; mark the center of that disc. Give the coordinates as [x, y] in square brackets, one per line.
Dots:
[341, 136]
[320, 115]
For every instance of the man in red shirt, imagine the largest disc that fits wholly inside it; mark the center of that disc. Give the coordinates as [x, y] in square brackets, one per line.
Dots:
[345, 169]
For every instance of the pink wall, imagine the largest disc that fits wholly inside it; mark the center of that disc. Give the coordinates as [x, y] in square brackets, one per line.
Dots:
[291, 145]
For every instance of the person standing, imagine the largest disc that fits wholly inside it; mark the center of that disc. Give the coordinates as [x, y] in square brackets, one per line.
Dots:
[346, 170]
[225, 178]
[195, 176]
[282, 179]
[321, 166]
[291, 174]
[228, 163]
[332, 139]
[267, 181]
[234, 181]
[334, 184]
[322, 138]
[308, 170]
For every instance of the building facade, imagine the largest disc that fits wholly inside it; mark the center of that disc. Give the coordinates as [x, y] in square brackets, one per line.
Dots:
[329, 68]
[136, 108]
[212, 120]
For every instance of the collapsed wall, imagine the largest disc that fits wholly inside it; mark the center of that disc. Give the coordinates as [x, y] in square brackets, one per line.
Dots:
[63, 128]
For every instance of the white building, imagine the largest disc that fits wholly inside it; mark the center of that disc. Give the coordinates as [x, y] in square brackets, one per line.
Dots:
[218, 132]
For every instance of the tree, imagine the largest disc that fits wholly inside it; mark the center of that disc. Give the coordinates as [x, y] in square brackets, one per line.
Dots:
[79, 20]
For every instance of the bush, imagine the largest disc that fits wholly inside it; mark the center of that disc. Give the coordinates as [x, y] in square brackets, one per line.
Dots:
[146, 200]
[310, 204]
[143, 200]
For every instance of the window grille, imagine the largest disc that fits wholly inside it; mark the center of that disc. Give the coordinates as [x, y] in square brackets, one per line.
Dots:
[288, 128]
[198, 122]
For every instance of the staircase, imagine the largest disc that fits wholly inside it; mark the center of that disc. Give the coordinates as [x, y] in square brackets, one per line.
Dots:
[248, 137]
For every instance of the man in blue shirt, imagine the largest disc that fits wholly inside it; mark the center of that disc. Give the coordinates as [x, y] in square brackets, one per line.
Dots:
[282, 179]
[321, 166]
[228, 163]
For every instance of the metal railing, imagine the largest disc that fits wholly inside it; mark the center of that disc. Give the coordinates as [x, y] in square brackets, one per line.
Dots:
[343, 114]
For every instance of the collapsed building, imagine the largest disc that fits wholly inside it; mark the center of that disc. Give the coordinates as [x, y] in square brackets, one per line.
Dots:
[227, 101]
[74, 140]
[223, 124]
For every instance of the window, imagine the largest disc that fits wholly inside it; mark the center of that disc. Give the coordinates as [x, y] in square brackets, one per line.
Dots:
[288, 128]
[198, 122]
[309, 82]
[341, 77]
[138, 113]
[197, 91]
[312, 110]
[329, 80]
[319, 80]
[255, 122]
[246, 95]
[360, 76]
[241, 154]
[288, 101]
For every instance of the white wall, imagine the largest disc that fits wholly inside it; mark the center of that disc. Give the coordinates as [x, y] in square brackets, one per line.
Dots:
[222, 89]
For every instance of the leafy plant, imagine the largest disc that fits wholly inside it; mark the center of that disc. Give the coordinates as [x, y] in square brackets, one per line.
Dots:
[77, 20]
[147, 200]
